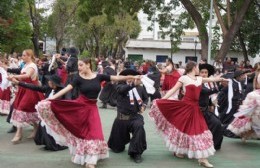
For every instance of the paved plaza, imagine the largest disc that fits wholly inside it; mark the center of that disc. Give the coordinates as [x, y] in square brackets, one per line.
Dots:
[234, 153]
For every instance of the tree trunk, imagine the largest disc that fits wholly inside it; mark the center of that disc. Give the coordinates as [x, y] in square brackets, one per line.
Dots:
[58, 45]
[228, 13]
[36, 27]
[221, 22]
[35, 41]
[228, 38]
[243, 46]
[201, 26]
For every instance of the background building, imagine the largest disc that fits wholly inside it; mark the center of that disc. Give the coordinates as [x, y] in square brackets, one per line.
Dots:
[149, 45]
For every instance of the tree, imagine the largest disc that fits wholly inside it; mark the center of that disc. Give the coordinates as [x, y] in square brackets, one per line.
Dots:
[229, 33]
[61, 19]
[110, 23]
[199, 12]
[248, 36]
[15, 26]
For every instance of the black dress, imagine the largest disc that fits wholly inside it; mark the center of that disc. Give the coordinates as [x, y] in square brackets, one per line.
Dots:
[41, 136]
[128, 121]
[212, 120]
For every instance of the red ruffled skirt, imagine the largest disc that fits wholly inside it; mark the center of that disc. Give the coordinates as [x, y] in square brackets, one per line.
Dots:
[76, 124]
[24, 112]
[183, 127]
[5, 98]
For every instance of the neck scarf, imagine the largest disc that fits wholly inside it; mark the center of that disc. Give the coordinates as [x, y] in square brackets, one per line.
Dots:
[133, 93]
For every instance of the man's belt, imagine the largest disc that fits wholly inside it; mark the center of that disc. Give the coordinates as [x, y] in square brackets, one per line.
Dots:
[203, 109]
[121, 116]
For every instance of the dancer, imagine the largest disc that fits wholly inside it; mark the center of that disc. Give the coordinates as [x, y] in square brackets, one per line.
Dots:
[72, 69]
[131, 102]
[54, 86]
[181, 122]
[213, 122]
[5, 93]
[170, 79]
[76, 123]
[24, 112]
[247, 121]
[155, 75]
[108, 93]
[234, 93]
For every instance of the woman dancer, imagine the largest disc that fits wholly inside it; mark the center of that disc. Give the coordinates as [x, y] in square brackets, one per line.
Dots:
[5, 93]
[247, 121]
[76, 123]
[171, 77]
[54, 85]
[24, 112]
[181, 122]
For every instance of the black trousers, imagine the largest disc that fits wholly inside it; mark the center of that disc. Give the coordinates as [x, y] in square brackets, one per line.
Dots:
[156, 95]
[120, 135]
[215, 126]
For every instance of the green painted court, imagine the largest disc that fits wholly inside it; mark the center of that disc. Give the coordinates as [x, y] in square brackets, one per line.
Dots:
[234, 153]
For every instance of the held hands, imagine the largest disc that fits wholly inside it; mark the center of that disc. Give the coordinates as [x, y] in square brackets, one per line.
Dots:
[224, 80]
[57, 55]
[219, 79]
[15, 81]
[10, 77]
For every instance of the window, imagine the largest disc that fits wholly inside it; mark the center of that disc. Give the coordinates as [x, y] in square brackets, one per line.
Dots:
[190, 58]
[161, 58]
[188, 39]
[135, 57]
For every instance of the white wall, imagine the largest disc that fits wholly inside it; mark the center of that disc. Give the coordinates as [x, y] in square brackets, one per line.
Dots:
[150, 54]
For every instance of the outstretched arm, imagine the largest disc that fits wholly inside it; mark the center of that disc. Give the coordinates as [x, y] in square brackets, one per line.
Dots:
[176, 87]
[122, 78]
[216, 79]
[62, 92]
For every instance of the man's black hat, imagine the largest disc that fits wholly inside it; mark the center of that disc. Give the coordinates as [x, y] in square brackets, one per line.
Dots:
[129, 72]
[73, 52]
[210, 68]
[239, 73]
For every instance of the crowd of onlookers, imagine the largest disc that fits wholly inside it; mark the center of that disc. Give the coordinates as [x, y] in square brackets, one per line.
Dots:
[15, 61]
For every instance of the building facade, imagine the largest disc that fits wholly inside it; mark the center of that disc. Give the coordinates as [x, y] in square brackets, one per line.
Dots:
[149, 45]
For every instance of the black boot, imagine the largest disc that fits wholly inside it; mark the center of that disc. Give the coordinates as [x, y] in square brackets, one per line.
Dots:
[12, 130]
[137, 158]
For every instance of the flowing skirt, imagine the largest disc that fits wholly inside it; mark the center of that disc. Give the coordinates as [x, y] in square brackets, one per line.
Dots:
[5, 98]
[76, 124]
[24, 112]
[248, 116]
[183, 127]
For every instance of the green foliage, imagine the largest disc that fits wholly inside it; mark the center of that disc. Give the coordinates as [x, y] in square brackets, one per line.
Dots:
[61, 20]
[215, 41]
[16, 30]
[84, 54]
[250, 30]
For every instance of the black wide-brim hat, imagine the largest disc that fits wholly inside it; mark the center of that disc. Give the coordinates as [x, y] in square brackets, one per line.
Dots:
[55, 79]
[210, 68]
[129, 72]
[73, 52]
[239, 73]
